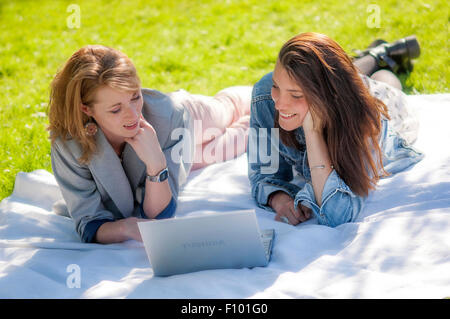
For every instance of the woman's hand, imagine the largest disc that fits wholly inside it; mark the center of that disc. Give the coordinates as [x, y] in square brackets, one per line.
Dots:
[308, 123]
[119, 231]
[311, 123]
[131, 228]
[283, 204]
[146, 145]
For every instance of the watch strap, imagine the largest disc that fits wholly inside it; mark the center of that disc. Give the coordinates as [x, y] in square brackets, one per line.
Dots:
[160, 177]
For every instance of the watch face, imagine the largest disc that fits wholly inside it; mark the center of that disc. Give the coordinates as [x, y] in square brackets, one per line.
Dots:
[164, 175]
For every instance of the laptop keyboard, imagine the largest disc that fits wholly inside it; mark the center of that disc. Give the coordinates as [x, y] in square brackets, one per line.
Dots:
[267, 240]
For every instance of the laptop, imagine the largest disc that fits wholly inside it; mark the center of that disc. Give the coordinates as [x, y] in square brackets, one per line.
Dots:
[213, 241]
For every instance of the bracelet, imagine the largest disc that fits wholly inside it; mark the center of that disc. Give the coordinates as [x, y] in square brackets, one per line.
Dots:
[320, 166]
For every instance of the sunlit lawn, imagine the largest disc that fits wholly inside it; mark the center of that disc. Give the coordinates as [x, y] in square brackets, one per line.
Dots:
[201, 46]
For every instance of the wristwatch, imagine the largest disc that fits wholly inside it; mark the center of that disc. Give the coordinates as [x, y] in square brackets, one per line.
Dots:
[160, 177]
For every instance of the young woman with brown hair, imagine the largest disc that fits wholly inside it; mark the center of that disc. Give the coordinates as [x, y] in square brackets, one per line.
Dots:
[338, 129]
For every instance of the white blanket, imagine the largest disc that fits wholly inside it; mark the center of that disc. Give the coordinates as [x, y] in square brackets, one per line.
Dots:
[398, 248]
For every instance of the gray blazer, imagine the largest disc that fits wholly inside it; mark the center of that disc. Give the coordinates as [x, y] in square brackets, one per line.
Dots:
[104, 189]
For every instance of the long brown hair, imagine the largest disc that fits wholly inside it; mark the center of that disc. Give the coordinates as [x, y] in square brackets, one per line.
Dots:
[76, 83]
[350, 117]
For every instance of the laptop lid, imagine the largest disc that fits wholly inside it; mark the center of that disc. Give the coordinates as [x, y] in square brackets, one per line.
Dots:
[213, 241]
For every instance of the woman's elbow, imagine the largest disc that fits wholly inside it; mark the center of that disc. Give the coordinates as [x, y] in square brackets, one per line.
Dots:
[340, 208]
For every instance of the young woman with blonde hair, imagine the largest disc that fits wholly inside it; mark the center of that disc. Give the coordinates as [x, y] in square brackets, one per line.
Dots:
[114, 152]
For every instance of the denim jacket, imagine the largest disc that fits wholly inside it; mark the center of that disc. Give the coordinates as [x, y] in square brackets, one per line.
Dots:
[288, 170]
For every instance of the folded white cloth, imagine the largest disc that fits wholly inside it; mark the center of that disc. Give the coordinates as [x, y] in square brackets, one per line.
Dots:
[398, 248]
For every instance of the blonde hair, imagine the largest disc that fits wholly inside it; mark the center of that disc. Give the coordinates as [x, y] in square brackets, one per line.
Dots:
[86, 70]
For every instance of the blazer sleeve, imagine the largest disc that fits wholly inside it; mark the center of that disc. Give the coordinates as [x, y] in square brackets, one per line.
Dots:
[79, 191]
[174, 127]
[178, 151]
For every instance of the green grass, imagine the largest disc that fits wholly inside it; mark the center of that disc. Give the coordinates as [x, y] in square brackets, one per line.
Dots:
[201, 46]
